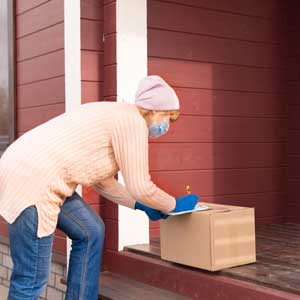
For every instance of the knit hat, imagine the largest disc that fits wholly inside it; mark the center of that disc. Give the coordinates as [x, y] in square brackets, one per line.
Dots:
[154, 93]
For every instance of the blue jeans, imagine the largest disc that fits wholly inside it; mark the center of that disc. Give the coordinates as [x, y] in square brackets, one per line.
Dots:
[32, 255]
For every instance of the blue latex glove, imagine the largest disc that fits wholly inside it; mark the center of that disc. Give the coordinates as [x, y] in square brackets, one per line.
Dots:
[152, 213]
[186, 202]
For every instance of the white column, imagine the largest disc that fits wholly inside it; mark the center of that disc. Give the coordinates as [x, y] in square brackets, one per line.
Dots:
[131, 23]
[72, 66]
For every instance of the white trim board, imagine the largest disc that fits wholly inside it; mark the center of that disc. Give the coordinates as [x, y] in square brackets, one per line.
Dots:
[72, 67]
[131, 23]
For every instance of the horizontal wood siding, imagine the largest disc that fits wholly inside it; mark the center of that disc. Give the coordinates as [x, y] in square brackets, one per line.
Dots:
[40, 71]
[226, 61]
[92, 59]
[109, 210]
[293, 57]
[92, 50]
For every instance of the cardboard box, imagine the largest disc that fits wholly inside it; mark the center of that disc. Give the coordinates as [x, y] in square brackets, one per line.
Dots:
[214, 239]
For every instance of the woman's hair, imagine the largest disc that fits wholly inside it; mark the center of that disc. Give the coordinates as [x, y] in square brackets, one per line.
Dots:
[174, 113]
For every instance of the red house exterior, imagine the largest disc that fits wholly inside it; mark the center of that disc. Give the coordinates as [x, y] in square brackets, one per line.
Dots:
[235, 67]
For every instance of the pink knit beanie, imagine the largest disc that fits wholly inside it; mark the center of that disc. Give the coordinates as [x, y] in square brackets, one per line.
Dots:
[154, 93]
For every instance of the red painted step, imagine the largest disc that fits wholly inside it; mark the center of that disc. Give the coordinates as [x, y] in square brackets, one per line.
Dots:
[189, 282]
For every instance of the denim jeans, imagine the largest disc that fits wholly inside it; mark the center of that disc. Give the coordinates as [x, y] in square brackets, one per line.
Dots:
[31, 255]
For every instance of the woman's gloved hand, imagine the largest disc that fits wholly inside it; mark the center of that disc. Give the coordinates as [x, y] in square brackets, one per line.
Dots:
[186, 202]
[152, 213]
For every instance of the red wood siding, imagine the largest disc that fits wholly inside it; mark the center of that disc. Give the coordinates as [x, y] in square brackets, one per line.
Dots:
[92, 59]
[293, 59]
[40, 70]
[109, 208]
[225, 60]
[92, 50]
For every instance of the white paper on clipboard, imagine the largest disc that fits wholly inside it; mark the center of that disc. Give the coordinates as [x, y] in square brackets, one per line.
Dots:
[198, 207]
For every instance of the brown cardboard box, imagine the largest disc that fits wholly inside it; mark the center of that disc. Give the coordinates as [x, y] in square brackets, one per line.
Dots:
[214, 239]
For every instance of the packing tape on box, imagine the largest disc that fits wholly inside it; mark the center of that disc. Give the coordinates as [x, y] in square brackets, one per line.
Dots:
[234, 240]
[234, 221]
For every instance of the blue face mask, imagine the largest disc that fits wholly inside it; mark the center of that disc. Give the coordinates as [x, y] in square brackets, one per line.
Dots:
[156, 130]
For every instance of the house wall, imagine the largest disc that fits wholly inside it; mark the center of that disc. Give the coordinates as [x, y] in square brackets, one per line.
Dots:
[92, 72]
[110, 94]
[94, 65]
[225, 60]
[40, 70]
[293, 77]
[40, 96]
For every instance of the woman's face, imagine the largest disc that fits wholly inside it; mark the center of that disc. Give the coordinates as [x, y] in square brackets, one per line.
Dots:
[159, 116]
[158, 123]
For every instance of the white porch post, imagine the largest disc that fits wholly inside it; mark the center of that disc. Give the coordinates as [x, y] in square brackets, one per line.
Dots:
[131, 28]
[72, 66]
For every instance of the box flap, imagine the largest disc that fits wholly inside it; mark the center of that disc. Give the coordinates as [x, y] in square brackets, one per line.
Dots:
[219, 208]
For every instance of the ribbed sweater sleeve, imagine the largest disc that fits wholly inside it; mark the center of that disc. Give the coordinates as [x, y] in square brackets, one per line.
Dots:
[130, 144]
[113, 190]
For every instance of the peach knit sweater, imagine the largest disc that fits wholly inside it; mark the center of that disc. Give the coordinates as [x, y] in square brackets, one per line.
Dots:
[85, 146]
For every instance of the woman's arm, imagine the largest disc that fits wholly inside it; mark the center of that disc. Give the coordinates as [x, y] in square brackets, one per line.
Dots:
[130, 144]
[112, 190]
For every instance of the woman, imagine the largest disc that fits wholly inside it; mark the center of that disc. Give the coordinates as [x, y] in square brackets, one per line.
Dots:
[40, 171]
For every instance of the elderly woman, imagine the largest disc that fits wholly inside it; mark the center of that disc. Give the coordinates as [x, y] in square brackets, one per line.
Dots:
[40, 171]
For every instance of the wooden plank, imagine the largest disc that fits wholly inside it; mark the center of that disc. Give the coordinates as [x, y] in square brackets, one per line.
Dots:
[110, 75]
[149, 250]
[43, 16]
[111, 234]
[31, 117]
[92, 65]
[41, 67]
[293, 88]
[277, 265]
[293, 190]
[180, 73]
[293, 73]
[294, 167]
[194, 47]
[3, 228]
[269, 206]
[293, 18]
[117, 287]
[50, 91]
[111, 210]
[91, 91]
[293, 142]
[44, 41]
[294, 113]
[110, 49]
[269, 274]
[92, 9]
[222, 181]
[293, 211]
[92, 35]
[23, 6]
[292, 43]
[206, 129]
[110, 18]
[192, 155]
[256, 8]
[108, 1]
[59, 244]
[169, 16]
[191, 282]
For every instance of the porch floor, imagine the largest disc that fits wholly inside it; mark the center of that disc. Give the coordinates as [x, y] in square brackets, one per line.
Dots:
[277, 254]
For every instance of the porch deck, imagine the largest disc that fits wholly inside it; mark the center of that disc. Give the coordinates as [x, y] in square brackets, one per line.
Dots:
[278, 258]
